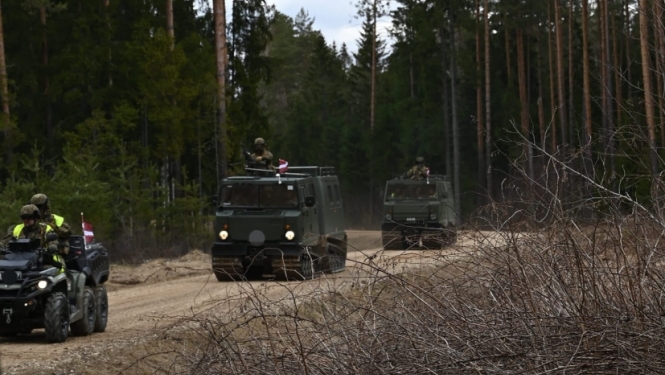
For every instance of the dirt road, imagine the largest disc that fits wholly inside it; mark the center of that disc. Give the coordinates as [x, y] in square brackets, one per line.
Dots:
[144, 298]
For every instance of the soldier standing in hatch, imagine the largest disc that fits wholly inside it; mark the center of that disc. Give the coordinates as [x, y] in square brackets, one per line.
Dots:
[261, 157]
[418, 171]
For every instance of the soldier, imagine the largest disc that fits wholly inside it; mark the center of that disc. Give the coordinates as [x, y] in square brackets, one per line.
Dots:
[32, 228]
[57, 222]
[397, 193]
[261, 157]
[418, 171]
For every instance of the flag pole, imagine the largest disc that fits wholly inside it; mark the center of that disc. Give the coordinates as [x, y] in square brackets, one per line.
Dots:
[83, 229]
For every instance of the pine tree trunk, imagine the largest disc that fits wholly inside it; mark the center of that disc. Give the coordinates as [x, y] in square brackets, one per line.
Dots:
[524, 112]
[660, 80]
[571, 112]
[617, 77]
[509, 67]
[541, 110]
[413, 94]
[169, 22]
[552, 80]
[560, 73]
[445, 100]
[588, 128]
[4, 91]
[608, 109]
[50, 136]
[222, 59]
[453, 94]
[627, 40]
[106, 4]
[488, 117]
[373, 93]
[586, 78]
[603, 78]
[648, 93]
[587, 82]
[174, 167]
[372, 112]
[479, 106]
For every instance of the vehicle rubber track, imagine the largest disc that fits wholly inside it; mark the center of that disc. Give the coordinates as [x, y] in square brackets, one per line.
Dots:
[334, 261]
[450, 237]
[433, 239]
[228, 268]
[392, 240]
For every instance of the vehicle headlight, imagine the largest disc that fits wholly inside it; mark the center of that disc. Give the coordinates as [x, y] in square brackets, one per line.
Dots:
[432, 216]
[42, 284]
[389, 217]
[289, 235]
[223, 235]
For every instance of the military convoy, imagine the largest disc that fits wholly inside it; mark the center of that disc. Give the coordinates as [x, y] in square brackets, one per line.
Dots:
[418, 214]
[283, 226]
[34, 295]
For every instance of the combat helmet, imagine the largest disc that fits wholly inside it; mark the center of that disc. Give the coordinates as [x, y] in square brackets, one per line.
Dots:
[40, 200]
[259, 141]
[420, 160]
[29, 211]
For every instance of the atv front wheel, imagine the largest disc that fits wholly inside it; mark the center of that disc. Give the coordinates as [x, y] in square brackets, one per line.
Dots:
[56, 317]
[86, 325]
[102, 309]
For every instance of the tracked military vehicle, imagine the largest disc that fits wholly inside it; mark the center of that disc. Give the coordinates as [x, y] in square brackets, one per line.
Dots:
[418, 214]
[284, 226]
[34, 295]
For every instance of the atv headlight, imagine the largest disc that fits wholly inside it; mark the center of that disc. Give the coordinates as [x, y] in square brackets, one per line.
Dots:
[432, 216]
[289, 235]
[42, 284]
[223, 235]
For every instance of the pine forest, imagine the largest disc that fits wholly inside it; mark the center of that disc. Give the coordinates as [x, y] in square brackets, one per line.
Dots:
[133, 110]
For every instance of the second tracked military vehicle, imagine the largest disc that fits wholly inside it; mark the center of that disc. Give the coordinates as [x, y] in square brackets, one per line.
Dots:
[418, 214]
[284, 226]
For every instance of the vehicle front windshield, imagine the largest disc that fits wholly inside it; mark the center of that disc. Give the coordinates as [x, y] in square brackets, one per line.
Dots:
[242, 195]
[420, 192]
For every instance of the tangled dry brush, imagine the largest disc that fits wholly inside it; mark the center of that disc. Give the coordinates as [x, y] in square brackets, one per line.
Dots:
[568, 298]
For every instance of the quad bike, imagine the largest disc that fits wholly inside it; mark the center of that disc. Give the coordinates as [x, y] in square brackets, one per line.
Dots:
[35, 293]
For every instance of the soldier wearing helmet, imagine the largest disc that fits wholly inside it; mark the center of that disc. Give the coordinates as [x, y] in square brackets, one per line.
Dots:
[261, 157]
[56, 222]
[419, 171]
[32, 228]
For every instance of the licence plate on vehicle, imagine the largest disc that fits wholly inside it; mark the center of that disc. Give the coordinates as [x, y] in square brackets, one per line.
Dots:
[413, 219]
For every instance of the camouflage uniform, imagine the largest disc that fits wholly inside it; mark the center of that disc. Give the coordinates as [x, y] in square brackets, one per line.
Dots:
[34, 230]
[261, 157]
[58, 223]
[418, 171]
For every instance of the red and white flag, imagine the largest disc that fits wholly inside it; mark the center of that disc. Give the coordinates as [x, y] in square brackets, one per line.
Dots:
[88, 235]
[283, 165]
[427, 172]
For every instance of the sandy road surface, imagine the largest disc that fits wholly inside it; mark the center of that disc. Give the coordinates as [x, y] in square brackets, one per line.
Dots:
[165, 291]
